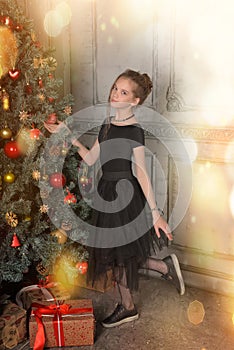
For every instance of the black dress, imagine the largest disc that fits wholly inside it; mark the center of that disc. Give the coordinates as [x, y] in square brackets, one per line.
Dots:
[124, 235]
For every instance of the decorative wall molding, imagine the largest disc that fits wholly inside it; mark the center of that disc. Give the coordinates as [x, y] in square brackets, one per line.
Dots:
[170, 131]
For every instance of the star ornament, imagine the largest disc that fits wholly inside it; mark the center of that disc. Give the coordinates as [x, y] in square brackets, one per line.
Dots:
[11, 219]
[67, 110]
[36, 175]
[23, 116]
[44, 208]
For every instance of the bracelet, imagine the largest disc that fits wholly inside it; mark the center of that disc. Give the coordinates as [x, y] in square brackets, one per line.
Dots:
[161, 212]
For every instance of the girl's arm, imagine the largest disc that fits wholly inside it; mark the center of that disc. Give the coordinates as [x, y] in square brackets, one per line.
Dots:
[145, 183]
[89, 156]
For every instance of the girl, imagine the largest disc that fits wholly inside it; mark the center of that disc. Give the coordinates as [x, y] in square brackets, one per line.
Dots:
[132, 236]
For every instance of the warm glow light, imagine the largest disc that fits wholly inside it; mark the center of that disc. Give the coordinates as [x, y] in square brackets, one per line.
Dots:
[53, 23]
[142, 9]
[233, 319]
[196, 312]
[114, 22]
[208, 59]
[64, 272]
[64, 11]
[219, 116]
[229, 158]
[232, 202]
[8, 50]
[57, 19]
[191, 148]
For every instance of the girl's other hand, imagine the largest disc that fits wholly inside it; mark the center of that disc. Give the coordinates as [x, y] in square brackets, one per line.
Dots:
[160, 223]
[54, 128]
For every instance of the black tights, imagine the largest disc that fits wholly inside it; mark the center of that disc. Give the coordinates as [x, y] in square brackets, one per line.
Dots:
[121, 278]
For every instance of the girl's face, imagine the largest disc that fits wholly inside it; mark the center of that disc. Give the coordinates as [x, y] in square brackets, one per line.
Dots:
[122, 94]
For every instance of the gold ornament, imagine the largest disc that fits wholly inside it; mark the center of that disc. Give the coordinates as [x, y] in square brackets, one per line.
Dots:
[41, 97]
[5, 133]
[64, 151]
[11, 219]
[45, 177]
[9, 178]
[52, 63]
[27, 218]
[61, 235]
[36, 175]
[5, 100]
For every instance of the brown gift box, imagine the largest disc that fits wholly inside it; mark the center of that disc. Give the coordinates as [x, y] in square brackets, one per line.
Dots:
[41, 294]
[77, 328]
[12, 326]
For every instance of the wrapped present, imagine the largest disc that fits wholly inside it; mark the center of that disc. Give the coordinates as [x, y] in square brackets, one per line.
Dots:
[41, 294]
[12, 326]
[68, 324]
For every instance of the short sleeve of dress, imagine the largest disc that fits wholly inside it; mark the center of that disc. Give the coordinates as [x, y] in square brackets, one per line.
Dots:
[138, 136]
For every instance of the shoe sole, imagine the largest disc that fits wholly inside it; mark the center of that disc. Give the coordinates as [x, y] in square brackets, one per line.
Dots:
[179, 274]
[124, 320]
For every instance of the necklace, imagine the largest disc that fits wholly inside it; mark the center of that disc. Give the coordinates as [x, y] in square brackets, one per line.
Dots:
[124, 119]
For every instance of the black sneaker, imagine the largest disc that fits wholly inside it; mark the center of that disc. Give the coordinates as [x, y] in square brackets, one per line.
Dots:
[120, 316]
[174, 273]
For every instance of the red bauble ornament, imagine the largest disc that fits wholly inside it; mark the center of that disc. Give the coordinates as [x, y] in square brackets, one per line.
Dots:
[40, 83]
[82, 267]
[51, 99]
[12, 150]
[28, 89]
[15, 241]
[7, 21]
[35, 134]
[14, 73]
[18, 27]
[52, 118]
[57, 180]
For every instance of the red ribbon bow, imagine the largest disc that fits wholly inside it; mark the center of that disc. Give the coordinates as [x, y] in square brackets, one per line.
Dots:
[57, 311]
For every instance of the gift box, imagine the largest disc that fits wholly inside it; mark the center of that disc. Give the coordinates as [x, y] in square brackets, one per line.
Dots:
[69, 324]
[41, 294]
[12, 326]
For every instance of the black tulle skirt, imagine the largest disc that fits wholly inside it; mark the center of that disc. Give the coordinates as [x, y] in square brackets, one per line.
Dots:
[124, 236]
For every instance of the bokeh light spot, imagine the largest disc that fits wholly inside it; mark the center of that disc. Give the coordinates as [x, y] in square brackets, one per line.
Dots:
[196, 312]
[64, 11]
[114, 22]
[103, 26]
[53, 23]
[193, 219]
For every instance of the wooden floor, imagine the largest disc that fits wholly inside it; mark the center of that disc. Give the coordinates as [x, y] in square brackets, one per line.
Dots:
[165, 321]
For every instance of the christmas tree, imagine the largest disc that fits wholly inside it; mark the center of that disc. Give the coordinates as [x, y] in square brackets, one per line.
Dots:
[30, 96]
